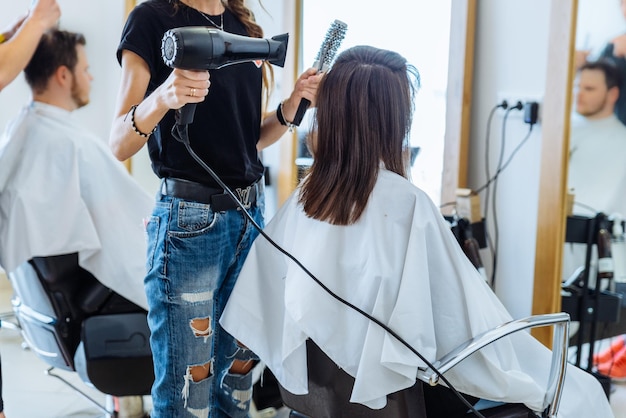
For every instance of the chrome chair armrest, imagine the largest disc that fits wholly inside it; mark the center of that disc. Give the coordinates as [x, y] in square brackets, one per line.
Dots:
[559, 353]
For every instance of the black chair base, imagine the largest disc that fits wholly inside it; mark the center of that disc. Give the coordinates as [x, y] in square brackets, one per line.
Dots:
[330, 388]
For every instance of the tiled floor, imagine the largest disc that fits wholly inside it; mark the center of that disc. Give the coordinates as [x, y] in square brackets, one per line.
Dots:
[30, 393]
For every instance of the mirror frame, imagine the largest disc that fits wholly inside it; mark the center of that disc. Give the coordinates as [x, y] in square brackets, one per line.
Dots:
[552, 213]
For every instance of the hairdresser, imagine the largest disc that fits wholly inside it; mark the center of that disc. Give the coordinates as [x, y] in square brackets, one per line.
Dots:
[17, 44]
[197, 239]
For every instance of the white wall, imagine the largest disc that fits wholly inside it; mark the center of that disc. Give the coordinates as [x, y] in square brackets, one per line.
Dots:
[510, 60]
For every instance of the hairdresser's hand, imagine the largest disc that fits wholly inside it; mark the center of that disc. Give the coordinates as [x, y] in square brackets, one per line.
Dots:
[45, 13]
[306, 87]
[580, 58]
[619, 46]
[185, 86]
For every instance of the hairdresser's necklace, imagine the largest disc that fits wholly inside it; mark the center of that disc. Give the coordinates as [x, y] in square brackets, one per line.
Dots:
[220, 26]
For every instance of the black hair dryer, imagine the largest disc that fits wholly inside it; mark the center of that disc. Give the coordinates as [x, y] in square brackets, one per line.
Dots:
[205, 48]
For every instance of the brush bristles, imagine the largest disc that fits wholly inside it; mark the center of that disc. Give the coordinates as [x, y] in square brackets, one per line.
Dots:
[330, 46]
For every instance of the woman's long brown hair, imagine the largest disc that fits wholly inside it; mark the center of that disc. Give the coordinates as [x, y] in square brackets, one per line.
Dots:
[363, 118]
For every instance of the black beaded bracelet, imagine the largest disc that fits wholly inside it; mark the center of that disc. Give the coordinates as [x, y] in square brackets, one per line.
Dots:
[281, 118]
[132, 122]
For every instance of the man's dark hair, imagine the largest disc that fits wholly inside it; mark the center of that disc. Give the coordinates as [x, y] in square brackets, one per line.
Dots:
[612, 75]
[56, 48]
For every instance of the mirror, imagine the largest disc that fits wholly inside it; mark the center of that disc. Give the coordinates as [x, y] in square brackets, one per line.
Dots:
[595, 133]
[445, 64]
[575, 25]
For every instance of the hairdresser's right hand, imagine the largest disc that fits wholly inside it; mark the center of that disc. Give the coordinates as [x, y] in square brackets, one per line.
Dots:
[185, 86]
[46, 13]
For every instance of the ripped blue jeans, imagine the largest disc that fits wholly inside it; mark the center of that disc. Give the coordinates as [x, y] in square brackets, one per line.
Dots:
[194, 258]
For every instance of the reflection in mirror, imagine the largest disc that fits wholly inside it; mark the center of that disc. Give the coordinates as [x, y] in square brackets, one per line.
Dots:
[596, 174]
[423, 39]
[594, 171]
[603, 41]
[597, 138]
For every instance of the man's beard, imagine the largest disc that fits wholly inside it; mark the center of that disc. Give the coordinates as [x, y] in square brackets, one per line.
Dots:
[597, 109]
[77, 96]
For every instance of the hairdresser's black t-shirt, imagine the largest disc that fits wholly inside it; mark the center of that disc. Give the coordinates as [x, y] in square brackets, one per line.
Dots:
[226, 125]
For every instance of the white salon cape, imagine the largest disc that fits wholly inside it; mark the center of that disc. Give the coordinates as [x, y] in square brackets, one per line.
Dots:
[597, 165]
[401, 264]
[62, 191]
[596, 175]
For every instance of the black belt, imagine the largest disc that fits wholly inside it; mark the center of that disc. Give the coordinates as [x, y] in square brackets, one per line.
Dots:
[218, 199]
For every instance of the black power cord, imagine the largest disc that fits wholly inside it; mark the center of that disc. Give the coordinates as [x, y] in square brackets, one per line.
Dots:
[504, 105]
[491, 243]
[506, 163]
[496, 231]
[180, 133]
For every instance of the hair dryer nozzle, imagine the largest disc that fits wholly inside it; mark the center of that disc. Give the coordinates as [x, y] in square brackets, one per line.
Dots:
[278, 49]
[204, 48]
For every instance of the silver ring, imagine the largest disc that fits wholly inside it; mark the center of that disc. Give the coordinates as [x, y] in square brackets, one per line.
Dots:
[193, 92]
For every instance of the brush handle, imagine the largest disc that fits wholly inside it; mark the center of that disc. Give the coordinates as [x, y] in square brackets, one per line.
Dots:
[302, 107]
[327, 52]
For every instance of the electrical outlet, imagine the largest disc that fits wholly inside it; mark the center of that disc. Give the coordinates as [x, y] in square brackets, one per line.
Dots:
[512, 98]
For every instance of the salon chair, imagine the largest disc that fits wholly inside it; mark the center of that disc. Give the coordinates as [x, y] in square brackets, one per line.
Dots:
[330, 387]
[73, 322]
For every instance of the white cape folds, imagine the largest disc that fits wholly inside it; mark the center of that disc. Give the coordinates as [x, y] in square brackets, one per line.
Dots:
[401, 264]
[62, 191]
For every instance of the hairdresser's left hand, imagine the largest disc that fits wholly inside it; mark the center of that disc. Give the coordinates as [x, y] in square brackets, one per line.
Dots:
[306, 87]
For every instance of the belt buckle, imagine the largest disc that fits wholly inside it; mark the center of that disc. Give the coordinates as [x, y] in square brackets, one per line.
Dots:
[244, 196]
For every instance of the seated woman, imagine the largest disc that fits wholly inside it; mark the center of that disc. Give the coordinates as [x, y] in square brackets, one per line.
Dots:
[358, 225]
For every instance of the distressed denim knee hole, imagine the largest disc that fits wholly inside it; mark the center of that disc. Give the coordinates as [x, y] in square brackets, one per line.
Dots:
[201, 327]
[196, 373]
[200, 372]
[242, 366]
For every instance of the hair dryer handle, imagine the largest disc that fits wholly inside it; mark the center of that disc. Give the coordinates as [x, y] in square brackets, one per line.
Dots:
[184, 115]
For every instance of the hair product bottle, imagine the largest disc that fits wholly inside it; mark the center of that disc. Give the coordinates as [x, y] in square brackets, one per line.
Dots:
[606, 267]
[470, 248]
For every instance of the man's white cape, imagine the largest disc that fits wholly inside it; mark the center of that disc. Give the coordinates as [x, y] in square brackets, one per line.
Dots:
[62, 191]
[401, 264]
